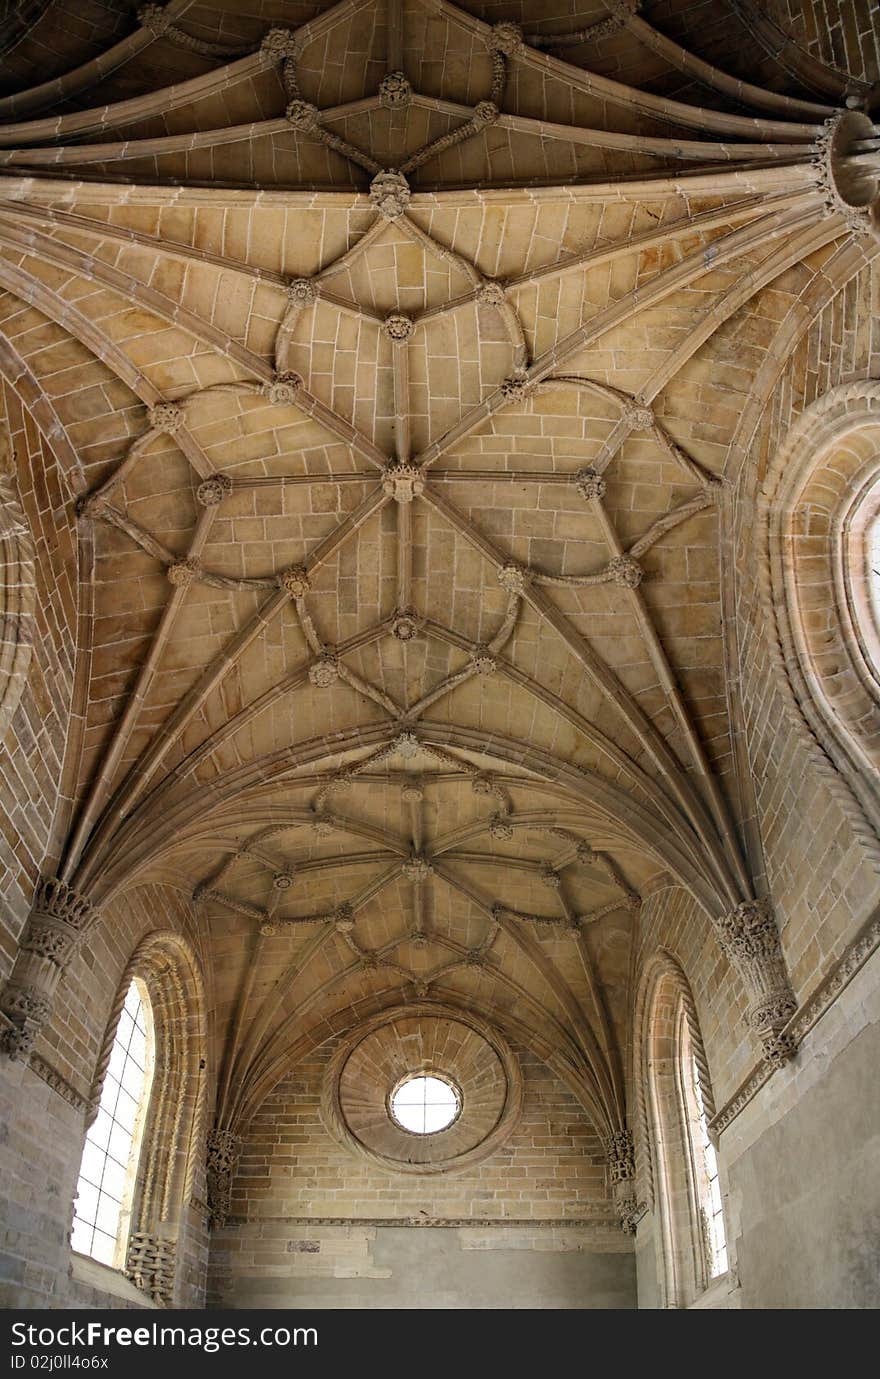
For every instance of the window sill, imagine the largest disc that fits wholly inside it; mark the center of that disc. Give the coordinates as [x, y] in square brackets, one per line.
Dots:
[719, 1295]
[106, 1280]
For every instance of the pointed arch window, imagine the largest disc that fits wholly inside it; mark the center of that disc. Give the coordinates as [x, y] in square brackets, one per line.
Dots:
[682, 1185]
[704, 1161]
[108, 1171]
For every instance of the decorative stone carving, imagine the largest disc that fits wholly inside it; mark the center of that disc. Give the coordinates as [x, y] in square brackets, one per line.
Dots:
[750, 939]
[150, 1265]
[398, 327]
[620, 1152]
[482, 784]
[417, 868]
[212, 491]
[413, 792]
[322, 826]
[283, 880]
[58, 919]
[482, 660]
[515, 389]
[405, 624]
[344, 918]
[182, 573]
[491, 294]
[625, 572]
[589, 484]
[506, 38]
[486, 113]
[222, 1153]
[418, 938]
[28, 1011]
[407, 745]
[638, 416]
[403, 481]
[585, 855]
[324, 672]
[395, 92]
[295, 580]
[283, 389]
[278, 44]
[303, 116]
[848, 181]
[165, 416]
[390, 194]
[302, 291]
[154, 18]
[268, 929]
[500, 829]
[514, 577]
[551, 878]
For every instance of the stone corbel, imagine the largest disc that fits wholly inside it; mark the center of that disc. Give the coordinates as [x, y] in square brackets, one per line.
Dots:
[620, 1153]
[222, 1155]
[59, 919]
[750, 939]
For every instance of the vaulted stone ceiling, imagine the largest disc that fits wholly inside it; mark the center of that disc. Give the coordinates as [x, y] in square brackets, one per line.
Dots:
[395, 352]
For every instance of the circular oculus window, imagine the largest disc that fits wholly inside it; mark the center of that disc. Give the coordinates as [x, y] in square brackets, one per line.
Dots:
[425, 1103]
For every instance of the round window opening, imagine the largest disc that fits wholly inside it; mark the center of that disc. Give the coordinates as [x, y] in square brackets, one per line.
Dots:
[425, 1103]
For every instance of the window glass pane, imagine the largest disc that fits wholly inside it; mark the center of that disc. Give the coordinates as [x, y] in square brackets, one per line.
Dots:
[109, 1161]
[425, 1105]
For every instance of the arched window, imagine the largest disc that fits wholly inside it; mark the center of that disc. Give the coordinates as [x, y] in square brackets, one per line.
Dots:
[108, 1172]
[144, 1136]
[821, 553]
[678, 1157]
[704, 1161]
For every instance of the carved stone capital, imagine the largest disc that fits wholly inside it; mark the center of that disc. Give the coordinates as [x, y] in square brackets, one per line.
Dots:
[28, 1009]
[750, 939]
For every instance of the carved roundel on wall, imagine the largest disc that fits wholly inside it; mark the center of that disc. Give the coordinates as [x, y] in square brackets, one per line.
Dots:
[423, 1040]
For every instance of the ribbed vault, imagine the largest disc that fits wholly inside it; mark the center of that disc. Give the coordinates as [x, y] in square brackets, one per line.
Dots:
[396, 350]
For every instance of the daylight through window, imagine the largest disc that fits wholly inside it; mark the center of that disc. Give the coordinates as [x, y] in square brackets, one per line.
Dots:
[109, 1162]
[425, 1104]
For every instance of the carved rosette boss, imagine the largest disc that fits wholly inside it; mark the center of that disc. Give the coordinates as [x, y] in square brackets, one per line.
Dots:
[59, 918]
[750, 939]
